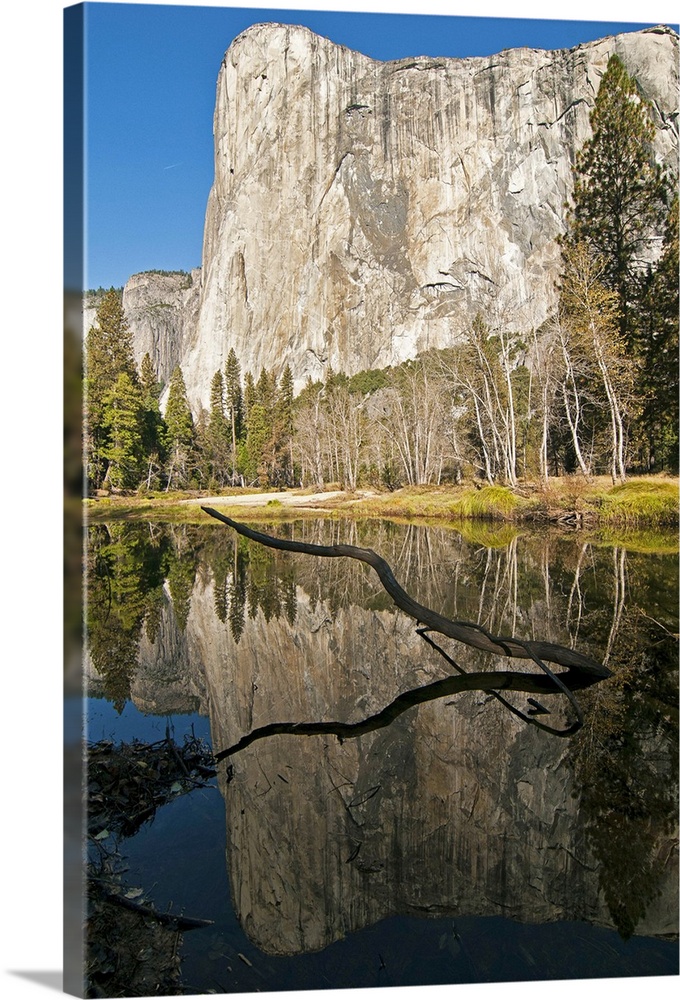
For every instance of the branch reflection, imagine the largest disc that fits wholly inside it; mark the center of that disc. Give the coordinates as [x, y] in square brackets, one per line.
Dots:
[491, 681]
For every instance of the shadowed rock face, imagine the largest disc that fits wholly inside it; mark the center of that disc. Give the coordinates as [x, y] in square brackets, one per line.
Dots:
[162, 311]
[364, 211]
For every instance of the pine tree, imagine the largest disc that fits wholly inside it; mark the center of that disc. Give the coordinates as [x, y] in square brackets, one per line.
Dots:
[123, 422]
[218, 435]
[255, 451]
[153, 424]
[268, 437]
[233, 397]
[235, 409]
[217, 397]
[620, 192]
[265, 392]
[178, 419]
[108, 353]
[179, 431]
[108, 348]
[284, 421]
[249, 394]
[147, 375]
[660, 351]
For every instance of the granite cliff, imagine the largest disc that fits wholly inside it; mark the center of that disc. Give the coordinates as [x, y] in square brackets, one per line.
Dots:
[363, 211]
[162, 310]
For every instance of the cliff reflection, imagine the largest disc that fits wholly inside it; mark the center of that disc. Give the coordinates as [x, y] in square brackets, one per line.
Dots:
[455, 807]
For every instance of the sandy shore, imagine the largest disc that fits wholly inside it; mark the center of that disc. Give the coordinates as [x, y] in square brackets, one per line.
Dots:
[262, 499]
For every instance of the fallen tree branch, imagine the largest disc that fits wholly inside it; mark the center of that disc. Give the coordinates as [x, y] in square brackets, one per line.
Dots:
[467, 632]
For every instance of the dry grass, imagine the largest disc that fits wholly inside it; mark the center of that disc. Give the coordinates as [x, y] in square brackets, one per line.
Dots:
[643, 502]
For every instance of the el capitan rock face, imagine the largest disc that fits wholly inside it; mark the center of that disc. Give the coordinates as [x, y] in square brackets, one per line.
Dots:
[363, 211]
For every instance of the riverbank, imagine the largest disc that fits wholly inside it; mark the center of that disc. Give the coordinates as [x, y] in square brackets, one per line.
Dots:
[570, 502]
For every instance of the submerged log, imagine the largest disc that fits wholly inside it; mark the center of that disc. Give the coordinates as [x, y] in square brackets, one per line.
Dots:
[178, 920]
[467, 632]
[581, 669]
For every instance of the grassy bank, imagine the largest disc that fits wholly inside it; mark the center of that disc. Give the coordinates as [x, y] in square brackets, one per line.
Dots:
[645, 502]
[571, 502]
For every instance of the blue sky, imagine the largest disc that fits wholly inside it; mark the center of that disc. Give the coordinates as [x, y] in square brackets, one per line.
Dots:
[151, 72]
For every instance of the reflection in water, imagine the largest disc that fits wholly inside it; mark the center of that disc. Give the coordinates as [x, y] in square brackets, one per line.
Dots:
[625, 762]
[456, 807]
[492, 682]
[126, 567]
[470, 633]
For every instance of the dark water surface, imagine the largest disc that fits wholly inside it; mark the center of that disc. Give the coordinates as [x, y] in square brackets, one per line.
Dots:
[456, 844]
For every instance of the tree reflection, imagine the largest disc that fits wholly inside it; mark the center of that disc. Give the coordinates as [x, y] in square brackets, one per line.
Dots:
[126, 567]
[625, 763]
[182, 565]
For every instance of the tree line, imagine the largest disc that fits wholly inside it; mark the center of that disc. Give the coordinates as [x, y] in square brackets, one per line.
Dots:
[592, 390]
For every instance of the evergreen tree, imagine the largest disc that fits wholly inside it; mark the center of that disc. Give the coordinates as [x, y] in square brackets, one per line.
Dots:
[147, 377]
[255, 427]
[660, 351]
[179, 431]
[108, 350]
[217, 397]
[178, 419]
[201, 459]
[620, 192]
[153, 423]
[285, 423]
[265, 392]
[249, 394]
[267, 433]
[218, 434]
[257, 439]
[123, 422]
[108, 353]
[234, 405]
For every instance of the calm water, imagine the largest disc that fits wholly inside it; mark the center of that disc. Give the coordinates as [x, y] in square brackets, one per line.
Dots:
[458, 843]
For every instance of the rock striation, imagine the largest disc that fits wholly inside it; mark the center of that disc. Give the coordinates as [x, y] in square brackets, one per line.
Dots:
[364, 211]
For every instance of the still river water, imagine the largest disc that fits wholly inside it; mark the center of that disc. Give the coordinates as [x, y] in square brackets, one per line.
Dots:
[457, 844]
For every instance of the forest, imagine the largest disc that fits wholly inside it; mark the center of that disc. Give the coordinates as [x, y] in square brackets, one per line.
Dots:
[594, 390]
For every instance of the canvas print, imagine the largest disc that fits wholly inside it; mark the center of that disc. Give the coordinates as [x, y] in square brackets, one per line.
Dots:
[372, 327]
